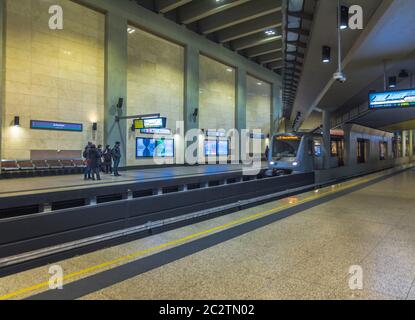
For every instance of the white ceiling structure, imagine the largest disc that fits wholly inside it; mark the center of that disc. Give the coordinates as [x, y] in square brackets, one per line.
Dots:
[387, 38]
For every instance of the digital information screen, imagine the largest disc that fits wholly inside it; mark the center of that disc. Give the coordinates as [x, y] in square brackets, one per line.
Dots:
[149, 148]
[145, 147]
[223, 148]
[151, 123]
[211, 147]
[165, 148]
[392, 99]
[59, 126]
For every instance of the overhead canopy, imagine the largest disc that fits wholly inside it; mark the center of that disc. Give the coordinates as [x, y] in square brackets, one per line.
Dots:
[388, 119]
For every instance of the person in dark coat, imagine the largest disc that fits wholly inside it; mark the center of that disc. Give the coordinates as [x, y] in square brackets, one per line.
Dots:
[95, 159]
[85, 154]
[266, 152]
[116, 156]
[107, 159]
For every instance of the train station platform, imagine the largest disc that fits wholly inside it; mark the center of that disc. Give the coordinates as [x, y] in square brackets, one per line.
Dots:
[298, 247]
[15, 186]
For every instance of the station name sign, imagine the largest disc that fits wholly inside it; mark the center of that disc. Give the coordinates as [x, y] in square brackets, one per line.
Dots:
[392, 99]
[58, 126]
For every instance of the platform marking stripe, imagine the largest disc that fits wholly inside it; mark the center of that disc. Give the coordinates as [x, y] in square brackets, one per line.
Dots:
[135, 255]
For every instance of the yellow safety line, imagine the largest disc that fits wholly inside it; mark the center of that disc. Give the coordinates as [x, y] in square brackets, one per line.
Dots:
[178, 241]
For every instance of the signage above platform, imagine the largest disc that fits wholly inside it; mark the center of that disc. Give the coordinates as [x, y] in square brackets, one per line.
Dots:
[151, 123]
[59, 126]
[392, 99]
[156, 131]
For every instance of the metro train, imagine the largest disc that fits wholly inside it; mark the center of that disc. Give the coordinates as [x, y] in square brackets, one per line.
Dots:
[299, 152]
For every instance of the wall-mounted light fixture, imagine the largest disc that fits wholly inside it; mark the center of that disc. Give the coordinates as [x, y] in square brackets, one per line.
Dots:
[94, 126]
[392, 82]
[344, 17]
[16, 121]
[326, 54]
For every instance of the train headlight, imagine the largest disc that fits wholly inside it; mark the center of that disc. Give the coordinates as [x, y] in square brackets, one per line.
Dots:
[295, 163]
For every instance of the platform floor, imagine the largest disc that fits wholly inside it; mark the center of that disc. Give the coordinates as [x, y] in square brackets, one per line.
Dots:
[10, 187]
[259, 253]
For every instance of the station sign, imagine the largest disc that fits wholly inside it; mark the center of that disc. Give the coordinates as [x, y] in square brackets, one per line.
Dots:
[392, 99]
[58, 126]
[150, 123]
[259, 136]
[156, 131]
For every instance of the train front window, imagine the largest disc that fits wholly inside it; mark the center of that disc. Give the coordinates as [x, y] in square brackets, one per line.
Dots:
[285, 148]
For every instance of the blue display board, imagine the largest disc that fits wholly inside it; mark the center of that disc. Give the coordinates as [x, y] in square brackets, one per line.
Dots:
[211, 148]
[145, 147]
[60, 126]
[149, 148]
[223, 148]
[392, 99]
[165, 148]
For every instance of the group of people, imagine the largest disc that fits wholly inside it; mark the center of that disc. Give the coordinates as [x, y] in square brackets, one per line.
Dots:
[98, 160]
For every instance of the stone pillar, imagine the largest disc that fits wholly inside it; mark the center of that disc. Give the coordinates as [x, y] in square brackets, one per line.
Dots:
[276, 107]
[241, 100]
[116, 49]
[326, 138]
[411, 143]
[2, 72]
[191, 95]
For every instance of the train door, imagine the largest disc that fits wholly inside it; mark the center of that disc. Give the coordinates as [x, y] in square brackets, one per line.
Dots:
[318, 154]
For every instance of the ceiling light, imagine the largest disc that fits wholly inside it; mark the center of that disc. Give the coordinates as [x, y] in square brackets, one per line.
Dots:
[392, 82]
[229, 69]
[270, 32]
[259, 83]
[326, 54]
[130, 30]
[344, 17]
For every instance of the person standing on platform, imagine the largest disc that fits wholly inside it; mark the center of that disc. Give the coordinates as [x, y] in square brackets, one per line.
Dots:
[85, 154]
[108, 159]
[95, 158]
[116, 156]
[266, 153]
[101, 162]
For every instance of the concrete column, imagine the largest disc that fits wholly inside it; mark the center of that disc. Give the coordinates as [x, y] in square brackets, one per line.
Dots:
[326, 138]
[411, 143]
[276, 107]
[240, 109]
[116, 49]
[2, 72]
[191, 95]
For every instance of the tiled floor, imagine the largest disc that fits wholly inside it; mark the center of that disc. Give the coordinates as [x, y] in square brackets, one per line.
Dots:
[305, 256]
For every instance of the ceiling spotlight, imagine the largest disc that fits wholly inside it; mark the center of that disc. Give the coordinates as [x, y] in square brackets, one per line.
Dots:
[229, 69]
[326, 54]
[259, 83]
[392, 82]
[130, 30]
[270, 32]
[344, 17]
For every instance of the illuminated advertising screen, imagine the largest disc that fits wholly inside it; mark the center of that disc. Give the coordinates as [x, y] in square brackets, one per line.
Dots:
[59, 126]
[151, 123]
[223, 148]
[211, 148]
[165, 148]
[145, 147]
[392, 99]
